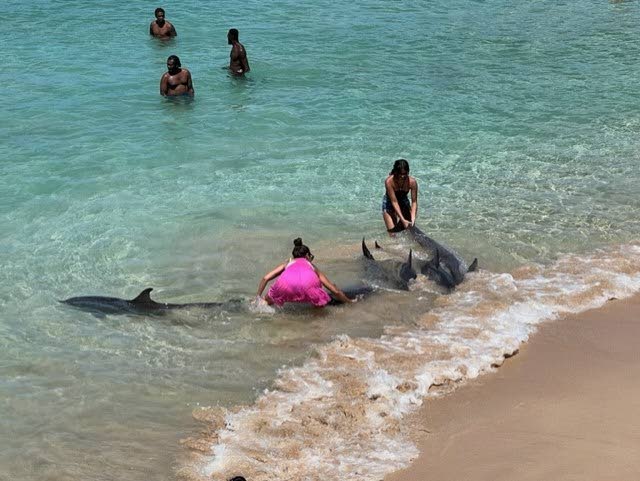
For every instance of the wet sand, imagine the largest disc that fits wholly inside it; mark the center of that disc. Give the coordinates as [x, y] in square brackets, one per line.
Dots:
[567, 407]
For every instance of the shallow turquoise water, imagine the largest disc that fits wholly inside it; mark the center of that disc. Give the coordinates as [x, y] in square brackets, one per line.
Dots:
[520, 122]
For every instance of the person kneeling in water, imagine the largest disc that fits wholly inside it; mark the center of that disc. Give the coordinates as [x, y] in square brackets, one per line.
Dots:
[299, 281]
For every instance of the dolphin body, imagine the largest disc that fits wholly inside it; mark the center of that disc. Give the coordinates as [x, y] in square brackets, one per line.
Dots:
[142, 304]
[396, 275]
[446, 268]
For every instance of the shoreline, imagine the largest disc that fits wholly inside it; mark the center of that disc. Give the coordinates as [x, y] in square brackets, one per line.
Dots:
[566, 407]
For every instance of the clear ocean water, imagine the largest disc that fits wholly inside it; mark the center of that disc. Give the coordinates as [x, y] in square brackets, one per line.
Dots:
[520, 122]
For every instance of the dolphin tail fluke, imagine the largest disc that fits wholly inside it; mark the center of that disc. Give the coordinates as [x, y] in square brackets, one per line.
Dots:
[474, 265]
[144, 297]
[366, 251]
[377, 245]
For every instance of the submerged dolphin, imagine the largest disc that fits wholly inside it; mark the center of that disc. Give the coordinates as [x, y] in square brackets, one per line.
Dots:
[142, 304]
[445, 267]
[391, 272]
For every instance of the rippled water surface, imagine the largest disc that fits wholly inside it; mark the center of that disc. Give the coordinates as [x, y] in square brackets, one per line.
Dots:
[520, 123]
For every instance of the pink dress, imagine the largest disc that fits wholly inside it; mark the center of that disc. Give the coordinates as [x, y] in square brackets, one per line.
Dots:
[299, 283]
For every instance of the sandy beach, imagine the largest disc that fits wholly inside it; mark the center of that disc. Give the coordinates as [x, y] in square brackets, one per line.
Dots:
[567, 407]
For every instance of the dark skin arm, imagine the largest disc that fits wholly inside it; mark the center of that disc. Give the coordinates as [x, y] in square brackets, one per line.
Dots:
[244, 62]
[164, 85]
[189, 83]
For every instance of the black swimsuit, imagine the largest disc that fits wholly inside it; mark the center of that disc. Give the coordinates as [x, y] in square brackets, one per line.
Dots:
[403, 201]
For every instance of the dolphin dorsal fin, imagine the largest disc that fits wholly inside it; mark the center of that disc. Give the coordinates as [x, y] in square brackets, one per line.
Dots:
[144, 297]
[473, 266]
[366, 251]
[410, 259]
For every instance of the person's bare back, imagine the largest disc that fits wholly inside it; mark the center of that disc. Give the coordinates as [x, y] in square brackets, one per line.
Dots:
[161, 28]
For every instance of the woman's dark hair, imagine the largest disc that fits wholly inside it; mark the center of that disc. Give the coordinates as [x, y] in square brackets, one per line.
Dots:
[175, 59]
[400, 165]
[299, 249]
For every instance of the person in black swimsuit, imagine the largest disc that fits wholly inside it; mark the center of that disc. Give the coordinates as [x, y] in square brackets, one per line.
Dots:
[398, 212]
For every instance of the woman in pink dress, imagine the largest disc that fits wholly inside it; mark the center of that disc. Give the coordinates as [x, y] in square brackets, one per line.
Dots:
[299, 281]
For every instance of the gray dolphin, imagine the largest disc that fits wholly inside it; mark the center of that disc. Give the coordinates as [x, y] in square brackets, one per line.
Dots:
[445, 267]
[392, 273]
[142, 304]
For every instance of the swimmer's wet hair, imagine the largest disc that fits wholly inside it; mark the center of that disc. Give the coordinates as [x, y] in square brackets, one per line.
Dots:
[299, 250]
[238, 478]
[175, 59]
[400, 165]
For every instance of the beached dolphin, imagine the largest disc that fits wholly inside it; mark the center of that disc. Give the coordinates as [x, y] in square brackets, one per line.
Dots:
[443, 261]
[142, 304]
[392, 273]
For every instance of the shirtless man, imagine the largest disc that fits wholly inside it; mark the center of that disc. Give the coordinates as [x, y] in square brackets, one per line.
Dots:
[160, 28]
[239, 65]
[176, 81]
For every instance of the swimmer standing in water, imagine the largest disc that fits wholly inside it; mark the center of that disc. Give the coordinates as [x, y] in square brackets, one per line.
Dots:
[397, 212]
[177, 80]
[161, 28]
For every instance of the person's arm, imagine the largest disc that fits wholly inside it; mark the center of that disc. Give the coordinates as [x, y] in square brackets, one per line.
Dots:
[244, 62]
[164, 85]
[394, 202]
[151, 28]
[172, 32]
[189, 84]
[414, 202]
[269, 276]
[341, 296]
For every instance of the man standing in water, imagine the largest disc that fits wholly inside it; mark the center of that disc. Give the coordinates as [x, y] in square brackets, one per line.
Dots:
[160, 28]
[239, 65]
[176, 81]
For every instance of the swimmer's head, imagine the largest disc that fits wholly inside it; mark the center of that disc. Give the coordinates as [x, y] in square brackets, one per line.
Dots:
[300, 250]
[400, 167]
[232, 36]
[159, 13]
[173, 62]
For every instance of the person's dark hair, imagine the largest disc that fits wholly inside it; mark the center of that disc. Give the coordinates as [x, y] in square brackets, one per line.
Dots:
[238, 478]
[299, 249]
[233, 34]
[175, 59]
[158, 10]
[400, 165]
